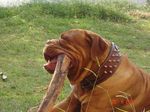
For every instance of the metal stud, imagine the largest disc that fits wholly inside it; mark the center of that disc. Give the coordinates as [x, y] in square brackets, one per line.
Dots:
[110, 66]
[115, 66]
[110, 60]
[105, 72]
[118, 60]
[117, 55]
[114, 60]
[110, 71]
[116, 47]
[105, 66]
[115, 50]
[113, 55]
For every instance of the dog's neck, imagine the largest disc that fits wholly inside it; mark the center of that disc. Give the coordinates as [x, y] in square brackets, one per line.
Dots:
[106, 69]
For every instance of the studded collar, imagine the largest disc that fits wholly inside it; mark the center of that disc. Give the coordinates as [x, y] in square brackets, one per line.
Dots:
[106, 70]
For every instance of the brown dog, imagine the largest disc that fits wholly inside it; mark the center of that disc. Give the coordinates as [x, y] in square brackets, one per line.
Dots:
[102, 79]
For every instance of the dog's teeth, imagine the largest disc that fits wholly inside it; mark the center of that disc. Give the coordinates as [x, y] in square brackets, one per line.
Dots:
[48, 61]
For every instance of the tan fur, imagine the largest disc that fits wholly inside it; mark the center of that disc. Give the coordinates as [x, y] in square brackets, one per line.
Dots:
[83, 47]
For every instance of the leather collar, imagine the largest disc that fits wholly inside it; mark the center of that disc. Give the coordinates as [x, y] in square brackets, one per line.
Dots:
[106, 70]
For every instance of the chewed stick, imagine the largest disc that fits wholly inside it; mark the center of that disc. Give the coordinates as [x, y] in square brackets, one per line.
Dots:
[56, 84]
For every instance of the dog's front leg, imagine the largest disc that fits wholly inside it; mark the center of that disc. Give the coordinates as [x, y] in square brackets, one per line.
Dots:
[70, 104]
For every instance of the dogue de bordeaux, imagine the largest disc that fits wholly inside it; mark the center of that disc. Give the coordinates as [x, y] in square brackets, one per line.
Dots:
[102, 79]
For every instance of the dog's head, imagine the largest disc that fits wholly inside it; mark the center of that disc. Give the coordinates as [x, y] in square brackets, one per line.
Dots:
[82, 47]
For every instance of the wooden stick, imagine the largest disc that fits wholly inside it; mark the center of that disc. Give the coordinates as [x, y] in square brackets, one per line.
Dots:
[56, 84]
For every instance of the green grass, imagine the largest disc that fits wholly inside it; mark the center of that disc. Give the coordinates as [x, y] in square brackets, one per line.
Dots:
[24, 31]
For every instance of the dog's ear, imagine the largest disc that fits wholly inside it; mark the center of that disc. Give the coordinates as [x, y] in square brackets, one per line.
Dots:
[98, 45]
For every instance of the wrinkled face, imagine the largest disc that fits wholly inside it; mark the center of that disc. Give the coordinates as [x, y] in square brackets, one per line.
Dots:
[81, 46]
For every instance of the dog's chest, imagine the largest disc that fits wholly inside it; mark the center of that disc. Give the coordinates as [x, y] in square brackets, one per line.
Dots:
[80, 94]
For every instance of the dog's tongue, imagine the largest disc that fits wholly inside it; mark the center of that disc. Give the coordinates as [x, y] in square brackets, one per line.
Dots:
[50, 65]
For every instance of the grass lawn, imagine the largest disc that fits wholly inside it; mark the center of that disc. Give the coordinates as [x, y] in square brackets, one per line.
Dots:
[23, 34]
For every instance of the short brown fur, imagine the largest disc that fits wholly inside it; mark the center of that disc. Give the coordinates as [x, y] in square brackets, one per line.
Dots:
[82, 47]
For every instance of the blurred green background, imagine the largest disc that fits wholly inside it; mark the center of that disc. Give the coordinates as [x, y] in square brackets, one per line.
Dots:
[24, 29]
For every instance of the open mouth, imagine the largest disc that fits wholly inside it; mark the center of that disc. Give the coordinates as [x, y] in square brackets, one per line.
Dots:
[51, 63]
[59, 65]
